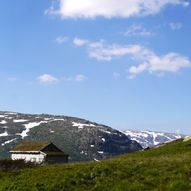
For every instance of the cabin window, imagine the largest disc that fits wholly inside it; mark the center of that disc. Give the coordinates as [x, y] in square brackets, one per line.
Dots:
[40, 159]
[33, 159]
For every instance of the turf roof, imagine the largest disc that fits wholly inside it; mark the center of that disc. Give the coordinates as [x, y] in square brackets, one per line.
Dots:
[30, 146]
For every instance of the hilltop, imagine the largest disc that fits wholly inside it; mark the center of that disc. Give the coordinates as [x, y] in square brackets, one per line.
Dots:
[164, 168]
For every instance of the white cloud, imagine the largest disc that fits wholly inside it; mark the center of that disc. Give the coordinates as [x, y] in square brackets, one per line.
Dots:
[116, 75]
[153, 63]
[76, 78]
[101, 51]
[53, 9]
[175, 26]
[110, 8]
[135, 70]
[137, 30]
[79, 42]
[80, 78]
[47, 79]
[61, 39]
[144, 58]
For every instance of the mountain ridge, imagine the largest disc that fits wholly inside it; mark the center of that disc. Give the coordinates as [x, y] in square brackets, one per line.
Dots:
[82, 139]
[147, 138]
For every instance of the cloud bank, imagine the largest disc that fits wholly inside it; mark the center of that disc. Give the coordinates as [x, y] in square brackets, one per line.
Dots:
[50, 79]
[137, 30]
[144, 58]
[110, 8]
[47, 79]
[153, 63]
[61, 39]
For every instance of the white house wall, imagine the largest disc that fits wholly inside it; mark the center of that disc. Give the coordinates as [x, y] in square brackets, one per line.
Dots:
[29, 157]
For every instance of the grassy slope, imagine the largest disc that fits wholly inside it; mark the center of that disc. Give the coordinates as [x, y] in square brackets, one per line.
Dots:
[164, 168]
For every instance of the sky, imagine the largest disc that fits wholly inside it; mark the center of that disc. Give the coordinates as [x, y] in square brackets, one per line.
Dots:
[122, 63]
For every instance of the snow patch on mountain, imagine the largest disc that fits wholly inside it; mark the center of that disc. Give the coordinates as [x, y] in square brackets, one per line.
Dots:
[81, 125]
[105, 131]
[57, 120]
[3, 122]
[151, 138]
[103, 139]
[7, 142]
[19, 120]
[11, 113]
[30, 126]
[4, 134]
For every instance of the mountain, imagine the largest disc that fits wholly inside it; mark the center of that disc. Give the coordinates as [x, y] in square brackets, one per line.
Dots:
[151, 138]
[81, 139]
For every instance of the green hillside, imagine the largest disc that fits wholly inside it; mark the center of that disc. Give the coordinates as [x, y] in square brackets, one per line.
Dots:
[159, 169]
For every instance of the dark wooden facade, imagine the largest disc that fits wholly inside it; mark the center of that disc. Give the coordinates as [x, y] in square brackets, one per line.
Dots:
[54, 154]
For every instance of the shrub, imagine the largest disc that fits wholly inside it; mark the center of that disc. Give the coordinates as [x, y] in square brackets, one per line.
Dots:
[8, 164]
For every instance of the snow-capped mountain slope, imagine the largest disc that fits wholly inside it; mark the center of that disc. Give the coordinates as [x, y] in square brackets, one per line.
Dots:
[151, 138]
[80, 138]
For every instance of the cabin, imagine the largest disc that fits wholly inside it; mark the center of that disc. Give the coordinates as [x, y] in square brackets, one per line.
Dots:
[38, 153]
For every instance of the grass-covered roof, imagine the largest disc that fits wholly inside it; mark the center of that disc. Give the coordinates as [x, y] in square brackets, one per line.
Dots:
[30, 146]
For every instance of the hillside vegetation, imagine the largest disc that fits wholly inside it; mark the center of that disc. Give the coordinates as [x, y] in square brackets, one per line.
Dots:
[159, 169]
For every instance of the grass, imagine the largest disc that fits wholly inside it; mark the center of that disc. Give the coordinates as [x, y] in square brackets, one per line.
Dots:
[167, 168]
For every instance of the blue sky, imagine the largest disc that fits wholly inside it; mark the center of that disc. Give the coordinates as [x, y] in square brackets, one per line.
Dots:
[126, 64]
